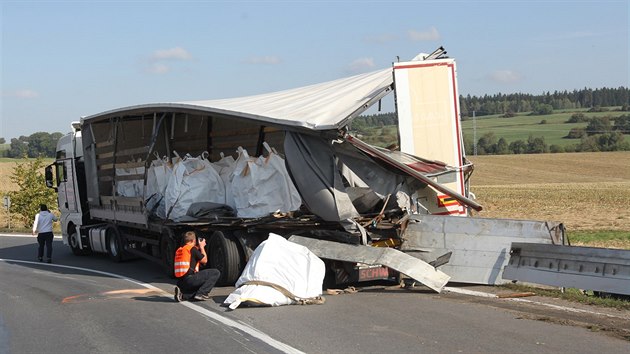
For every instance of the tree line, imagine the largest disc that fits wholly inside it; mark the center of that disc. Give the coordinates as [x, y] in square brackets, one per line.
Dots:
[510, 104]
[40, 144]
[522, 102]
[44, 144]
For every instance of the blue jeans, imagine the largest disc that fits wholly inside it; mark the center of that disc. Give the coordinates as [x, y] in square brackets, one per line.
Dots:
[45, 238]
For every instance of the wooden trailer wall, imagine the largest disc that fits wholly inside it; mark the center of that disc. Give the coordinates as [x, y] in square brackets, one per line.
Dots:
[119, 149]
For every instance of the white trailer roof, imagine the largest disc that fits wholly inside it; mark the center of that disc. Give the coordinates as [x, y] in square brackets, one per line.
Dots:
[321, 106]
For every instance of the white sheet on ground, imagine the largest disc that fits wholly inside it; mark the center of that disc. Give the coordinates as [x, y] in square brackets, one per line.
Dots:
[283, 263]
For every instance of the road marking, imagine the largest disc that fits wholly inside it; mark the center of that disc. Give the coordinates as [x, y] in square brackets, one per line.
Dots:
[213, 315]
[468, 292]
[26, 236]
[557, 307]
[114, 294]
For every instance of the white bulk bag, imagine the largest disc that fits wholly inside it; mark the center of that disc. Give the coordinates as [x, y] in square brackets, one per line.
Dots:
[193, 180]
[262, 185]
[158, 176]
[130, 188]
[283, 263]
[293, 200]
[225, 167]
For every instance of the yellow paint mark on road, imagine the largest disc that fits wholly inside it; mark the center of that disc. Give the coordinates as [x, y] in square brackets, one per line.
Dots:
[113, 294]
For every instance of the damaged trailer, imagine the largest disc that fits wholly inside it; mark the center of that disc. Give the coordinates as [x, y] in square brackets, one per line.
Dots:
[132, 180]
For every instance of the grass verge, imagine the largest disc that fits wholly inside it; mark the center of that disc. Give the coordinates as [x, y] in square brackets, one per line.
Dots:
[573, 295]
[598, 238]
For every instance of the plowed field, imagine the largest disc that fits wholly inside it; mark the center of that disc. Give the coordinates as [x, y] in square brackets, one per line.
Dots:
[586, 191]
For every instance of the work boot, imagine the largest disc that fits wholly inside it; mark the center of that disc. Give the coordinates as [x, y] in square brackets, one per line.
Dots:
[48, 260]
[178, 295]
[40, 259]
[202, 297]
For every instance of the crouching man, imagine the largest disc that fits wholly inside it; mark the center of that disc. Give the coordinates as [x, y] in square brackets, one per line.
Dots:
[193, 283]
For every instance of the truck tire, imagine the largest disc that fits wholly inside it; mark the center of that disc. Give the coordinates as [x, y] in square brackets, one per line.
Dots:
[167, 250]
[224, 255]
[115, 248]
[73, 241]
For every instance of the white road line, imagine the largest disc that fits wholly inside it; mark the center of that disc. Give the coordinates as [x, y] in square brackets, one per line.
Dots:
[468, 292]
[557, 307]
[25, 236]
[213, 315]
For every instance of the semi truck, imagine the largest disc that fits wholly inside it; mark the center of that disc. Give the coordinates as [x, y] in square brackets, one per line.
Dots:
[130, 181]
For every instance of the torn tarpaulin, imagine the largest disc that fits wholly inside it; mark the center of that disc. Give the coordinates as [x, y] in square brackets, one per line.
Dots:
[279, 272]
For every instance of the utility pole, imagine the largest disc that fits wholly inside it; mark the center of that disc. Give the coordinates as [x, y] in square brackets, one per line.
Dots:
[474, 134]
[7, 204]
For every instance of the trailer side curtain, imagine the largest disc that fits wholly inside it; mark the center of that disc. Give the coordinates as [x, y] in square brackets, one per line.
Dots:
[311, 163]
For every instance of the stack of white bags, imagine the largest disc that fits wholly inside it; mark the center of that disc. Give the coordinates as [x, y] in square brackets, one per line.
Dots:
[253, 187]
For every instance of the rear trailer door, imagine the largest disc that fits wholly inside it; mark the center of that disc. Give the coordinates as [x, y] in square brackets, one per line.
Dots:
[429, 124]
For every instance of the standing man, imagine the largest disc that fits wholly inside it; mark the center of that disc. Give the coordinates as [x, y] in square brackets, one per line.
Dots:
[43, 228]
[193, 283]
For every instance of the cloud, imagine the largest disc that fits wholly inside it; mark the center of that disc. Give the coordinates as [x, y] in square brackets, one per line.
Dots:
[431, 34]
[161, 61]
[177, 53]
[361, 65]
[505, 76]
[268, 60]
[158, 68]
[22, 93]
[381, 38]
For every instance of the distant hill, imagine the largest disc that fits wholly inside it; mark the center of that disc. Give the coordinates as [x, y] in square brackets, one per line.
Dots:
[555, 122]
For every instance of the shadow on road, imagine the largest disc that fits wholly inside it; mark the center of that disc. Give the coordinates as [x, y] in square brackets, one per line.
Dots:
[138, 269]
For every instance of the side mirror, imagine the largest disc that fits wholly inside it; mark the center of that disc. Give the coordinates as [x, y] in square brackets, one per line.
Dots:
[49, 177]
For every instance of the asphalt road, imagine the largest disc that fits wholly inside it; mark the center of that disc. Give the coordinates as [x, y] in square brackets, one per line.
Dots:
[128, 307]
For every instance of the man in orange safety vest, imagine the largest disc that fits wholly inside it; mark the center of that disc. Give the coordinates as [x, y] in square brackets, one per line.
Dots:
[193, 283]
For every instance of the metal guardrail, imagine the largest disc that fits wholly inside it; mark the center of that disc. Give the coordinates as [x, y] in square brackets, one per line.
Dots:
[589, 268]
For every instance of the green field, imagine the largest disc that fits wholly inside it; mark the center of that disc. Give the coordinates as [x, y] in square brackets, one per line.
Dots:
[521, 126]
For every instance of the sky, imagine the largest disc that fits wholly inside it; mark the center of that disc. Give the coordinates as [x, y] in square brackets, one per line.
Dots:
[61, 60]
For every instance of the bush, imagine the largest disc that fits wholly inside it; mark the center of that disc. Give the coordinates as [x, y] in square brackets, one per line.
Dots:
[543, 109]
[518, 147]
[544, 121]
[578, 118]
[487, 144]
[502, 147]
[31, 192]
[622, 124]
[610, 141]
[598, 109]
[576, 133]
[599, 125]
[536, 145]
[554, 148]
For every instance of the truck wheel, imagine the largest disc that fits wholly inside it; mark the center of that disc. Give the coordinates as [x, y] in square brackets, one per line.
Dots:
[114, 244]
[167, 249]
[224, 255]
[73, 241]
